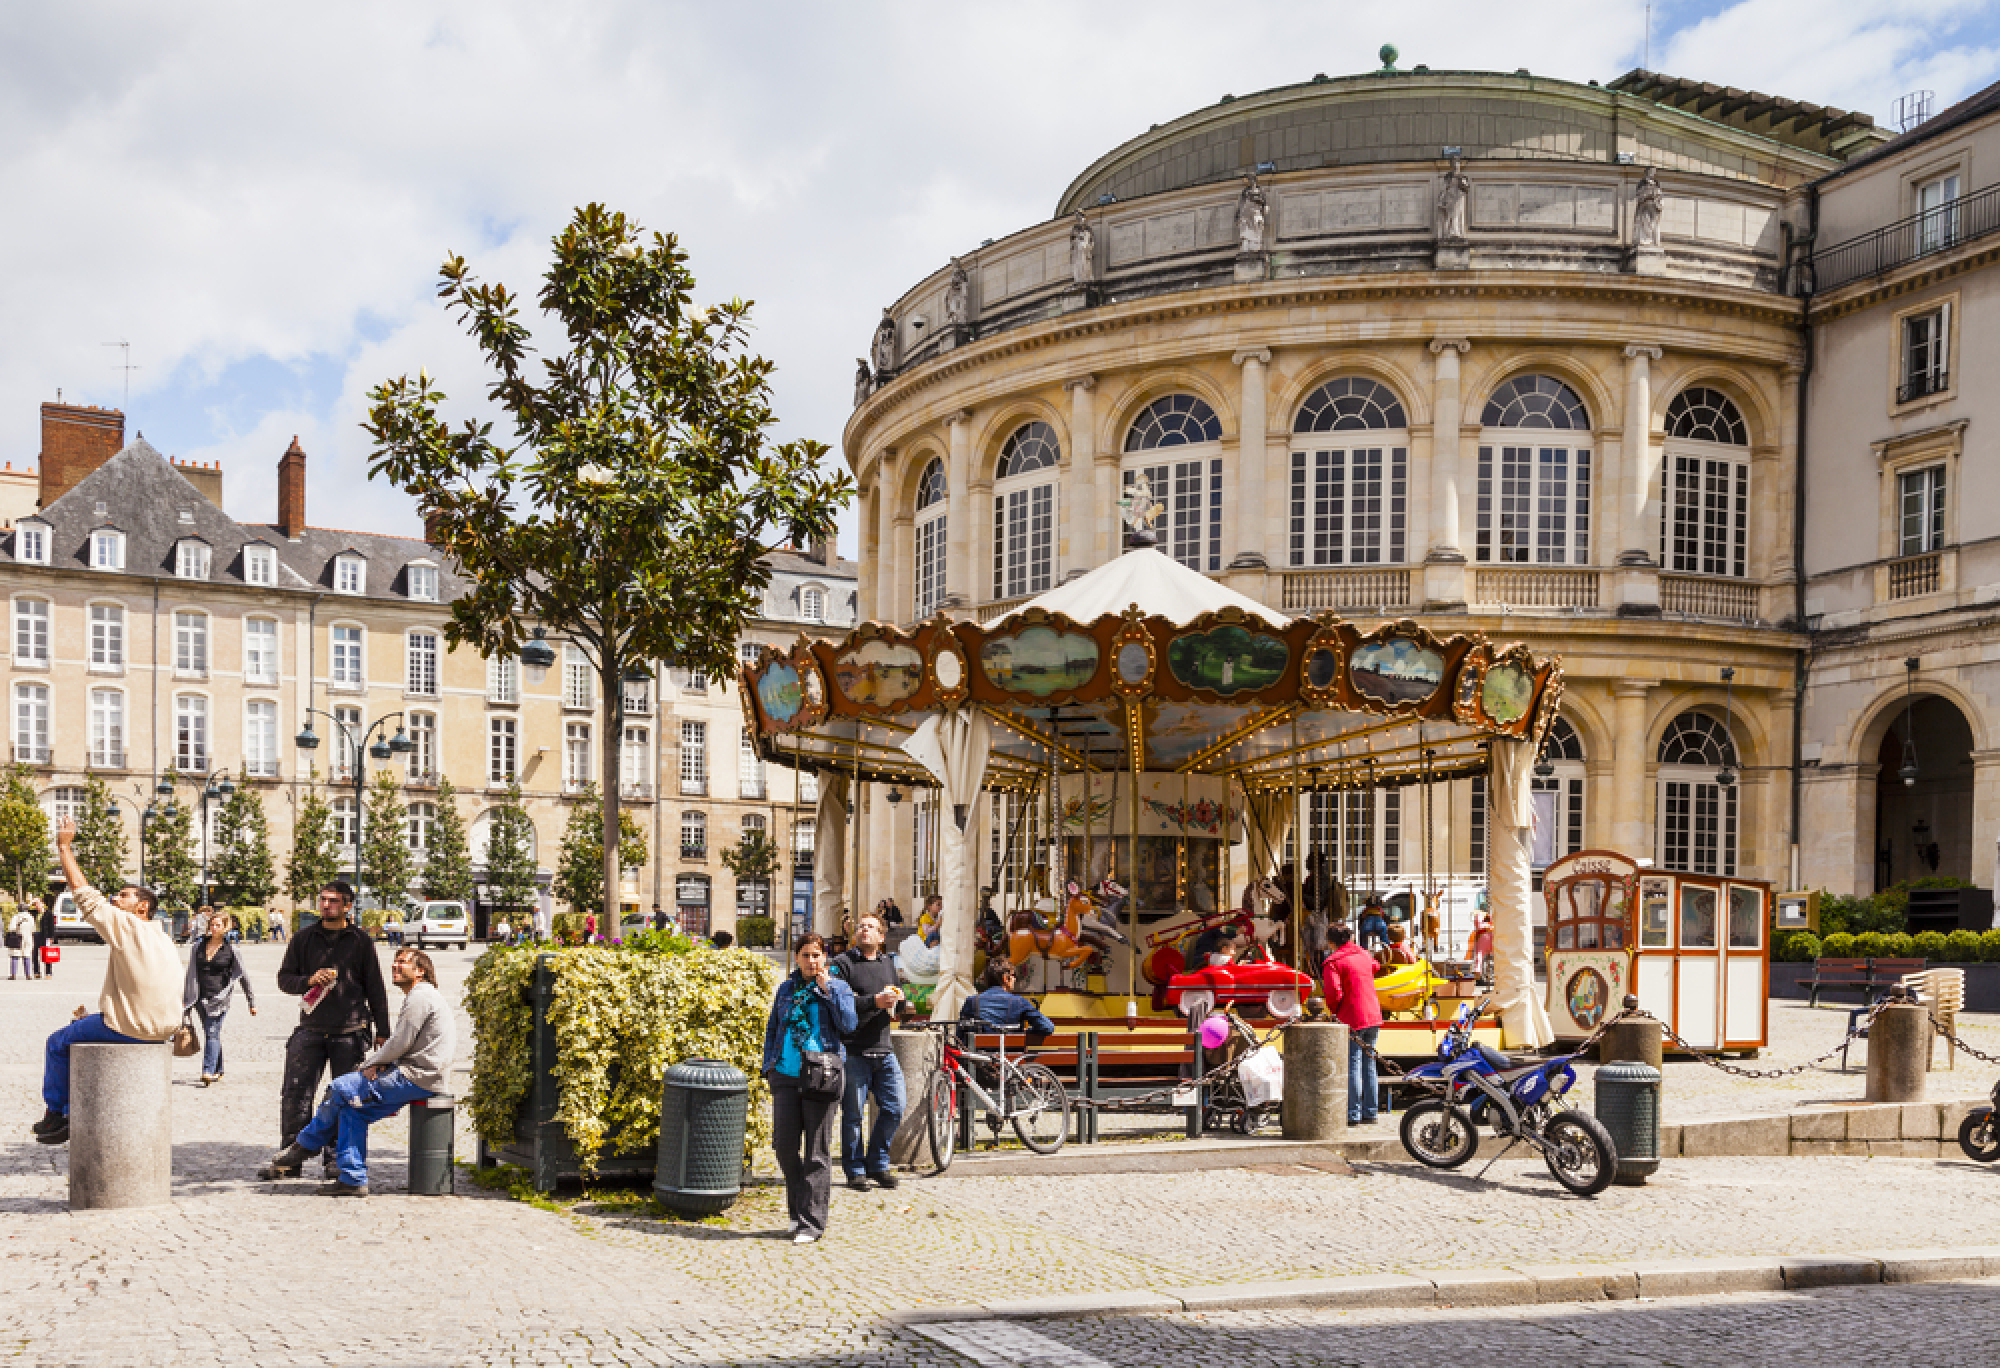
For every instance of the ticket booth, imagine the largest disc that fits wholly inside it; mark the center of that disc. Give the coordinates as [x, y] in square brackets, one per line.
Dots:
[1694, 948]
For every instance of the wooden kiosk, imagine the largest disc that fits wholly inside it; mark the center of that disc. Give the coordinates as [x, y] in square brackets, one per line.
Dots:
[1694, 948]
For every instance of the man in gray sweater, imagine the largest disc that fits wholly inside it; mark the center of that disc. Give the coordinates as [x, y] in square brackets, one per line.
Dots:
[413, 1063]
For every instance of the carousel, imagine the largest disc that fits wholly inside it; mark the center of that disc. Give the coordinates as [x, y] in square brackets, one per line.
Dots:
[1108, 743]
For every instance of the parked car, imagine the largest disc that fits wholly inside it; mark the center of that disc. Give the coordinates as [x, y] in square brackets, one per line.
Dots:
[70, 924]
[439, 923]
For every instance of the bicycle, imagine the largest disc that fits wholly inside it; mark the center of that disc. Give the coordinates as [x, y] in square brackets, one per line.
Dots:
[1026, 1094]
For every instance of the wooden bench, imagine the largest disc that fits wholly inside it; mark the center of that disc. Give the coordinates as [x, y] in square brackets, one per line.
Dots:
[1102, 1061]
[1871, 977]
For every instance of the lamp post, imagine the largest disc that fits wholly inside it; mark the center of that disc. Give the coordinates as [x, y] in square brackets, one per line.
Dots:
[219, 785]
[147, 816]
[382, 750]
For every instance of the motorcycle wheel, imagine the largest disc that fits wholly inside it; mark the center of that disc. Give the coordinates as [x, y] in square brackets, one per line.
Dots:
[1438, 1136]
[1979, 1137]
[1580, 1153]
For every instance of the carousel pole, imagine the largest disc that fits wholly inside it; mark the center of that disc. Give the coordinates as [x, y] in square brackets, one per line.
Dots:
[1136, 744]
[854, 826]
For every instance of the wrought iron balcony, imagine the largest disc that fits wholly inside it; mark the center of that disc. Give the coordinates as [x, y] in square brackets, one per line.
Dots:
[1920, 235]
[1922, 385]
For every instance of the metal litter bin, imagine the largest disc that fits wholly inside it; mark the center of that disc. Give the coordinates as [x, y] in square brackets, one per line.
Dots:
[433, 1123]
[1628, 1103]
[704, 1106]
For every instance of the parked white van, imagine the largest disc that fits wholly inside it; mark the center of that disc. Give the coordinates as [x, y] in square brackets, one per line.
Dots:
[439, 923]
[70, 924]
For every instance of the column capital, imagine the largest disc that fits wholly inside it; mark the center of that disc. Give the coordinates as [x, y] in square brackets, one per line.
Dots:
[955, 419]
[1082, 382]
[1461, 345]
[1633, 688]
[1261, 355]
[1635, 350]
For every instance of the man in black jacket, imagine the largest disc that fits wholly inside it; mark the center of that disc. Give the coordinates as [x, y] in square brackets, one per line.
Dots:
[334, 965]
[871, 1065]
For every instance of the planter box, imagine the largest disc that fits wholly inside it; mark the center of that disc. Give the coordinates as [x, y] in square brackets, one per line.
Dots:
[1982, 985]
[540, 1144]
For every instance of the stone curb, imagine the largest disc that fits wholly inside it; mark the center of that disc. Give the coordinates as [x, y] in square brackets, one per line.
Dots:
[1522, 1285]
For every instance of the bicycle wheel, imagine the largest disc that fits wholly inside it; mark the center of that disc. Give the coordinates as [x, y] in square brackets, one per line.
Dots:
[1038, 1107]
[941, 1119]
[1580, 1154]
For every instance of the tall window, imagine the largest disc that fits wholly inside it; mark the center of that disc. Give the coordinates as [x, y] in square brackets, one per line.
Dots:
[694, 758]
[1360, 835]
[697, 681]
[1534, 484]
[31, 631]
[931, 537]
[1189, 482]
[749, 768]
[421, 661]
[809, 787]
[1926, 354]
[1558, 800]
[1350, 493]
[260, 738]
[502, 750]
[579, 679]
[347, 657]
[422, 817]
[191, 644]
[107, 729]
[812, 605]
[31, 724]
[1024, 511]
[634, 773]
[191, 560]
[694, 835]
[346, 829]
[423, 757]
[1920, 510]
[1697, 819]
[503, 680]
[107, 636]
[260, 565]
[1937, 202]
[576, 755]
[260, 651]
[1705, 514]
[347, 735]
[191, 734]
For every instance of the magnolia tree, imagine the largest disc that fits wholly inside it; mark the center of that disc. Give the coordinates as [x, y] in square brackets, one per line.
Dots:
[630, 499]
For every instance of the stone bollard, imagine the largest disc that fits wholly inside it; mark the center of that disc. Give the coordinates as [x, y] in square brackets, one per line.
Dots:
[121, 1126]
[1315, 1102]
[1638, 1039]
[1899, 1049]
[917, 1053]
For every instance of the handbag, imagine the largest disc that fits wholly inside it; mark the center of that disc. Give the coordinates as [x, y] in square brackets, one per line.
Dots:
[13, 940]
[820, 1074]
[51, 954]
[186, 1042]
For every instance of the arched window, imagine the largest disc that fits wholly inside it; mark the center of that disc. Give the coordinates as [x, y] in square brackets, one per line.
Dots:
[1350, 494]
[1697, 819]
[1558, 799]
[1189, 483]
[1534, 494]
[1705, 511]
[1024, 512]
[931, 504]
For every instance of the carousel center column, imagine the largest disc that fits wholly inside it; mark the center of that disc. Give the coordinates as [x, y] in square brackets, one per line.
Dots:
[1444, 566]
[1524, 1022]
[958, 512]
[1638, 576]
[1628, 767]
[1080, 520]
[1254, 497]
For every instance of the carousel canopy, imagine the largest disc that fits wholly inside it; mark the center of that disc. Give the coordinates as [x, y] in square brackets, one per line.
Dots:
[1145, 665]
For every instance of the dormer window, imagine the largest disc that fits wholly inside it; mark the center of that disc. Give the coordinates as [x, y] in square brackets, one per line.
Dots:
[31, 543]
[191, 560]
[812, 605]
[350, 575]
[423, 582]
[260, 565]
[107, 549]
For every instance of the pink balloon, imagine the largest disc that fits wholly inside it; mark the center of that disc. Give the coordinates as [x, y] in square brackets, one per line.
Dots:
[1214, 1032]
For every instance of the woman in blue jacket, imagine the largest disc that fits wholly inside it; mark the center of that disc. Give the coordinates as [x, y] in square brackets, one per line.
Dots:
[802, 1062]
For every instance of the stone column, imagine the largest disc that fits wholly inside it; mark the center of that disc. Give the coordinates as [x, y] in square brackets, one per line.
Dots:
[1082, 520]
[1638, 584]
[1985, 815]
[958, 576]
[1314, 1106]
[1781, 477]
[1254, 521]
[1628, 773]
[886, 607]
[1444, 565]
[121, 1111]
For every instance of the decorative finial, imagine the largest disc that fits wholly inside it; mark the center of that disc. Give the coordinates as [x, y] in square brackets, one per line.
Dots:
[1388, 54]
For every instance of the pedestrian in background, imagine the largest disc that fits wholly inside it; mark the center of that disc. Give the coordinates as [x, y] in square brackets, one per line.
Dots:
[871, 1069]
[802, 1061]
[277, 920]
[214, 970]
[1349, 985]
[20, 943]
[45, 936]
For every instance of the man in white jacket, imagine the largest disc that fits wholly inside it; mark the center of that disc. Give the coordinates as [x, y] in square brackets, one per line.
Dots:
[415, 1062]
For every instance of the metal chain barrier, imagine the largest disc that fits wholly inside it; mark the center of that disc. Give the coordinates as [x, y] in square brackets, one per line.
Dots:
[1147, 1099]
[1959, 1044]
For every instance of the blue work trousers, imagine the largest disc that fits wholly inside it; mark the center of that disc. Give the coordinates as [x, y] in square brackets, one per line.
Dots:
[1361, 1090]
[879, 1076]
[353, 1104]
[89, 1030]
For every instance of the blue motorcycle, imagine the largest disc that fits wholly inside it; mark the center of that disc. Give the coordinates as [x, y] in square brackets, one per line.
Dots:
[1472, 1085]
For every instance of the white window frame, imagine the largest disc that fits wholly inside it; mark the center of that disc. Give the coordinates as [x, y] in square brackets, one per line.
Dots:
[694, 823]
[812, 603]
[31, 723]
[1923, 496]
[420, 818]
[105, 624]
[261, 636]
[634, 769]
[193, 739]
[347, 756]
[346, 827]
[752, 784]
[1350, 504]
[31, 543]
[503, 679]
[191, 643]
[350, 575]
[1935, 197]
[347, 658]
[1025, 513]
[192, 559]
[1521, 477]
[260, 738]
[576, 755]
[1191, 487]
[107, 728]
[503, 750]
[33, 632]
[931, 542]
[422, 580]
[1696, 816]
[422, 762]
[579, 678]
[260, 566]
[107, 549]
[1923, 369]
[694, 757]
[1705, 509]
[421, 650]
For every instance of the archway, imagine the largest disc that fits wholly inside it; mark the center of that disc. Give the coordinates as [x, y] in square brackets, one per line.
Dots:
[1924, 828]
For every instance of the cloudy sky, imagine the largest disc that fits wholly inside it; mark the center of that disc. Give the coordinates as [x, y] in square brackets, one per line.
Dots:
[256, 196]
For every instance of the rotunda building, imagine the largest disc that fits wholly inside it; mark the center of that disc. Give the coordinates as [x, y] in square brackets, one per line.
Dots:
[1496, 353]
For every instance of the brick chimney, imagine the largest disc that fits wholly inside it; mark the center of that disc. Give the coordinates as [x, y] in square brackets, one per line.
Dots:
[76, 439]
[292, 491]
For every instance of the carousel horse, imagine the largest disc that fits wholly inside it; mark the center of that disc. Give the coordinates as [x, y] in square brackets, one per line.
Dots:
[1079, 940]
[1269, 917]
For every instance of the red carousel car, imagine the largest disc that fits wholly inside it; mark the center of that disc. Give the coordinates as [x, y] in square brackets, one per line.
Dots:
[1254, 985]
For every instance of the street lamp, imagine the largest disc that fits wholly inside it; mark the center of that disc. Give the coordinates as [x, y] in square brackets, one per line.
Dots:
[1726, 776]
[399, 744]
[147, 816]
[1908, 773]
[218, 786]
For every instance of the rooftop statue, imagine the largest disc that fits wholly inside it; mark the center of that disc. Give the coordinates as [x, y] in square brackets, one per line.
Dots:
[1251, 209]
[883, 349]
[864, 380]
[1648, 203]
[1082, 250]
[1457, 188]
[957, 294]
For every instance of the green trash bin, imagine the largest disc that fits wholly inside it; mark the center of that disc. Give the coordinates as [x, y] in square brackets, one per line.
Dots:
[1628, 1103]
[704, 1107]
[433, 1121]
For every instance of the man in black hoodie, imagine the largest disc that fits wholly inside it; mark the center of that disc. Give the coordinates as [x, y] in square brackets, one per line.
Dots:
[871, 1065]
[333, 964]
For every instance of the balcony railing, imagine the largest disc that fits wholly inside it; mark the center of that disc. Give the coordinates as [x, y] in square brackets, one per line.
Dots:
[638, 791]
[1536, 587]
[1914, 575]
[1919, 235]
[694, 788]
[694, 852]
[1312, 591]
[1923, 385]
[999, 608]
[1699, 596]
[260, 769]
[30, 754]
[107, 759]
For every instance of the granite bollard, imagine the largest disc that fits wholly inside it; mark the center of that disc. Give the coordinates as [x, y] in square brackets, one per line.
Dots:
[1315, 1103]
[1899, 1050]
[917, 1054]
[121, 1126]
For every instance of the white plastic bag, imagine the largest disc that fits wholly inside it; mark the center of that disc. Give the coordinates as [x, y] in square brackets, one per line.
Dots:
[1263, 1075]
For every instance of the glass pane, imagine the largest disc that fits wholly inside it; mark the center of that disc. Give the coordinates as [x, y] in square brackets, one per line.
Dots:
[1655, 918]
[1586, 935]
[1566, 937]
[1697, 918]
[1746, 918]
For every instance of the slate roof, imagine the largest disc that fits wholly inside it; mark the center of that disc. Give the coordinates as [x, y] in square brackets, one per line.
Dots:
[1974, 106]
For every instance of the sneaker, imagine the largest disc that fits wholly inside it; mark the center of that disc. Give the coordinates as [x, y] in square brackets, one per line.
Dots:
[207, 1079]
[803, 1237]
[884, 1179]
[58, 1136]
[51, 1120]
[339, 1189]
[289, 1162]
[857, 1181]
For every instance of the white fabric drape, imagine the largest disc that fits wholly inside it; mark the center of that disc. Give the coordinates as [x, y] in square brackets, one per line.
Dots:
[954, 747]
[829, 852]
[1524, 1021]
[1268, 817]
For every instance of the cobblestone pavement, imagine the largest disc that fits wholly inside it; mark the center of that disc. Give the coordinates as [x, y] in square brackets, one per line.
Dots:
[481, 1279]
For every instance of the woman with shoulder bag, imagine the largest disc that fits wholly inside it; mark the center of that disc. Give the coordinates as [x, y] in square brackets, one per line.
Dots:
[20, 943]
[214, 970]
[802, 1062]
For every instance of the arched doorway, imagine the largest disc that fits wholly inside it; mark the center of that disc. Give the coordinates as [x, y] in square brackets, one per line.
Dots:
[1924, 828]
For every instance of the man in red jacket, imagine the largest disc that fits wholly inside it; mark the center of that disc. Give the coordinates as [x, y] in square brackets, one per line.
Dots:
[1349, 983]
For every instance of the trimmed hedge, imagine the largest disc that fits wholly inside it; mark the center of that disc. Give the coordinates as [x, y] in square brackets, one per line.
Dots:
[1795, 947]
[757, 933]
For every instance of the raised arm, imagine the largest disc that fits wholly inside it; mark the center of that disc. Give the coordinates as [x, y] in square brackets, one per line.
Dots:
[65, 839]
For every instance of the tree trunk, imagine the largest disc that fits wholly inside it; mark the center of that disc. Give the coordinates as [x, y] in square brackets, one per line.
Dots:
[609, 919]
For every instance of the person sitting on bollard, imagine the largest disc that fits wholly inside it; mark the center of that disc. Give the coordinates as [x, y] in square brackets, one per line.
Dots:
[1349, 984]
[140, 1003]
[414, 1063]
